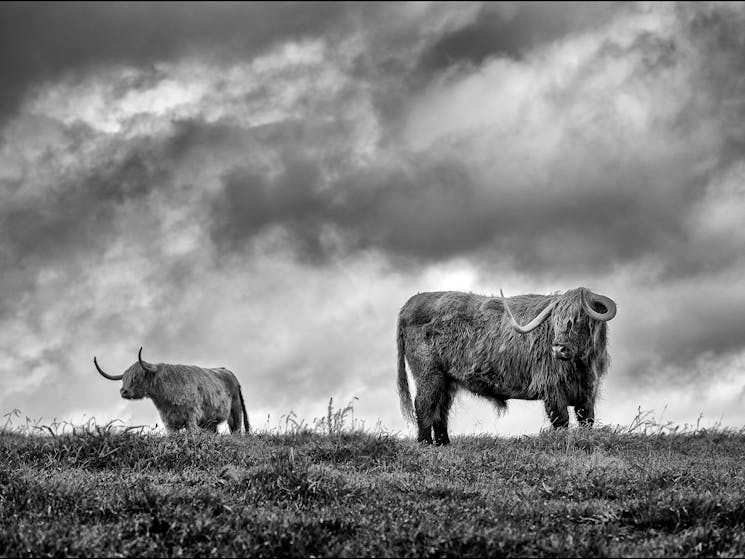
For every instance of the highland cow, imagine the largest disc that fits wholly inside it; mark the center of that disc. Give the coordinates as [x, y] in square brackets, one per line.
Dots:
[186, 396]
[454, 340]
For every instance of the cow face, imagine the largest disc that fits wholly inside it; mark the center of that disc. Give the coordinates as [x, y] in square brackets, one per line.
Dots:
[571, 334]
[577, 320]
[135, 382]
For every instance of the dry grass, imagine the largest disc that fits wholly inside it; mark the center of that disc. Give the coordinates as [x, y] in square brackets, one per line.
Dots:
[334, 488]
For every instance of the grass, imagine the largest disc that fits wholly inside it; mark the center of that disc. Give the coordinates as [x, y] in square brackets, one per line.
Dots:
[332, 488]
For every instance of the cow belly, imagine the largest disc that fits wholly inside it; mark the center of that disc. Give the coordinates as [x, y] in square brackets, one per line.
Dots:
[496, 385]
[215, 408]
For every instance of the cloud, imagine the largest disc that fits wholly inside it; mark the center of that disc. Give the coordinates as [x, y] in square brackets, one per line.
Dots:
[512, 29]
[262, 187]
[44, 43]
[383, 208]
[538, 164]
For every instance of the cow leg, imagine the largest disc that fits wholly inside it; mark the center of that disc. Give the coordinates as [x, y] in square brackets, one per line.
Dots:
[172, 427]
[192, 426]
[432, 404]
[236, 415]
[440, 426]
[234, 424]
[557, 414]
[423, 419]
[441, 432]
[585, 414]
[169, 424]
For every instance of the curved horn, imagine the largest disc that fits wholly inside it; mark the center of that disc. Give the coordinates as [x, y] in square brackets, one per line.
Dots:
[147, 366]
[100, 370]
[533, 324]
[607, 302]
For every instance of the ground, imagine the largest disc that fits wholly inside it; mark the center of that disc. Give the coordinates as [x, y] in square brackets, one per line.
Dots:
[641, 490]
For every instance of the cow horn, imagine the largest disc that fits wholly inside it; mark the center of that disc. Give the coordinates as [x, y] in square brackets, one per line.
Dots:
[607, 302]
[533, 324]
[147, 366]
[100, 370]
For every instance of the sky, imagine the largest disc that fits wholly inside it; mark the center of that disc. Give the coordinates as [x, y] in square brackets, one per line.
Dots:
[262, 187]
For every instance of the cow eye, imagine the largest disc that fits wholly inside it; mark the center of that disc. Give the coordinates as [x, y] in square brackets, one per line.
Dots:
[569, 324]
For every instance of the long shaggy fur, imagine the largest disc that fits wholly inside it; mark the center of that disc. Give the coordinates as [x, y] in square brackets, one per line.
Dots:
[189, 397]
[407, 407]
[246, 424]
[455, 340]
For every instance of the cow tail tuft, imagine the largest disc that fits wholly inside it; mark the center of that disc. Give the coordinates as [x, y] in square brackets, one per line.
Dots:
[246, 425]
[407, 409]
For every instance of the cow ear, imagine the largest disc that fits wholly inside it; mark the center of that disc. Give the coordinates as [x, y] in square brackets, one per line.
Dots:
[493, 305]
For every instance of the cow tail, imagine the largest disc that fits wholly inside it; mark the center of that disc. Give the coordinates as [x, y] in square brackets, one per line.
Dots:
[246, 425]
[407, 409]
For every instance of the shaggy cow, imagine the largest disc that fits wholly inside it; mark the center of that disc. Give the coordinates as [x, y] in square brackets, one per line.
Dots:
[186, 396]
[455, 340]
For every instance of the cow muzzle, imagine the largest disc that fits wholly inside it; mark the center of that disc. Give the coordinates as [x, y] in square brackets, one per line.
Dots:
[126, 394]
[561, 351]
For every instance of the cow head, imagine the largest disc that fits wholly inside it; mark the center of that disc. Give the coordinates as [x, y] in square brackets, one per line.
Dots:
[573, 319]
[136, 380]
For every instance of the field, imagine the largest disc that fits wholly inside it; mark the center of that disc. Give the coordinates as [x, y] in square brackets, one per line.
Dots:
[334, 490]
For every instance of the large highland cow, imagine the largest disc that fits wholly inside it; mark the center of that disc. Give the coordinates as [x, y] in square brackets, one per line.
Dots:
[455, 340]
[186, 396]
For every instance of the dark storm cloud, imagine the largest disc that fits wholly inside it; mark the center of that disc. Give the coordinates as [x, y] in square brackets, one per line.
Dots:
[44, 41]
[434, 208]
[512, 29]
[709, 325]
[387, 208]
[251, 201]
[676, 335]
[428, 206]
[717, 34]
[605, 204]
[75, 214]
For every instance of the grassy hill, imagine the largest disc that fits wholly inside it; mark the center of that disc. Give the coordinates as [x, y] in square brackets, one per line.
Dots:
[328, 490]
